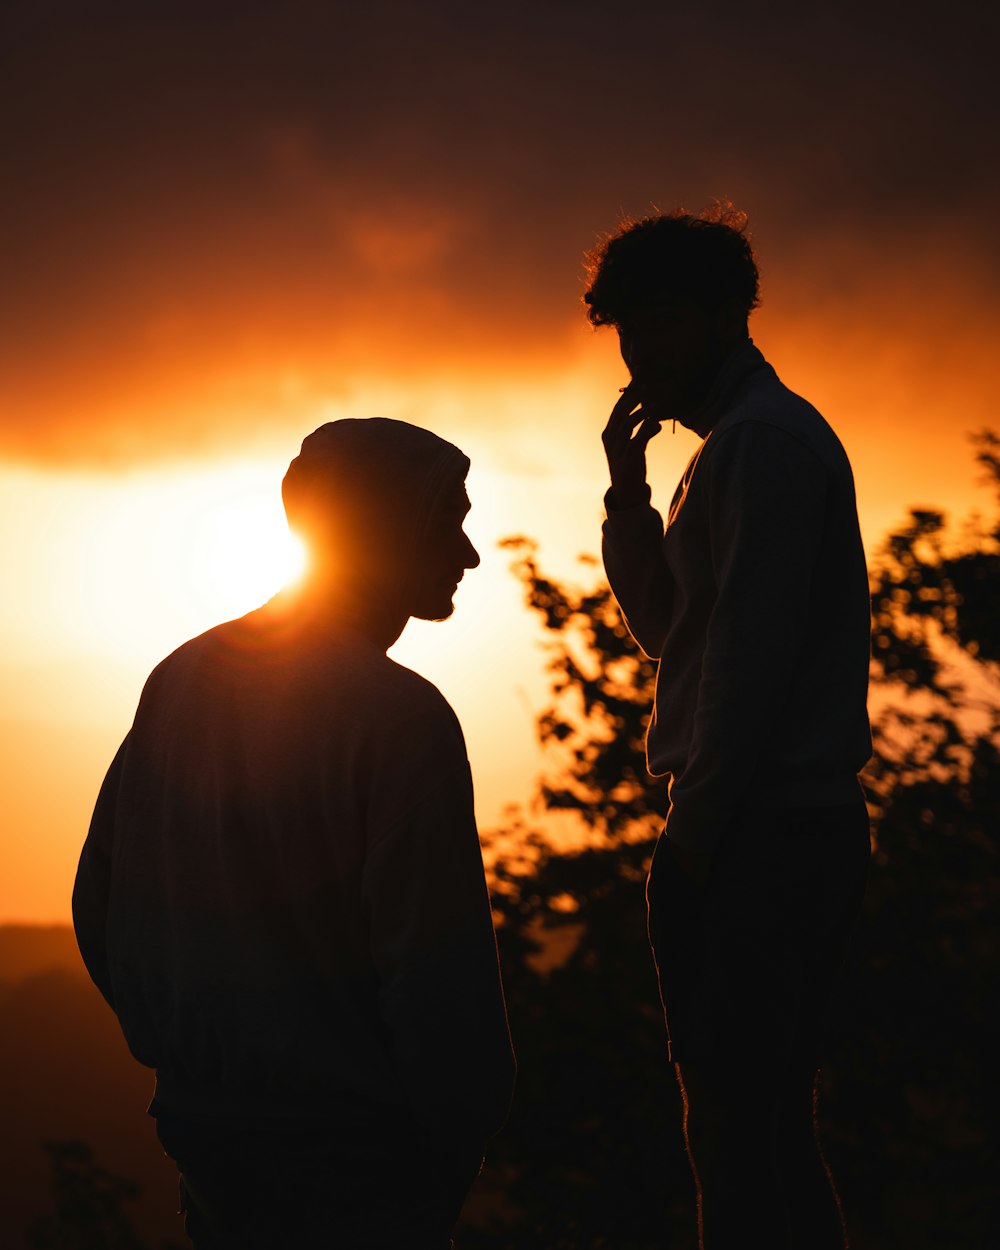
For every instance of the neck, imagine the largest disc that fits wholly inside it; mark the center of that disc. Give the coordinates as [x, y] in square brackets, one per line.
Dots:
[325, 603]
[732, 367]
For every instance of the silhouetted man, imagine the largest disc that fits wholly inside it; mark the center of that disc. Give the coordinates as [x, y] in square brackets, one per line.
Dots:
[282, 893]
[754, 599]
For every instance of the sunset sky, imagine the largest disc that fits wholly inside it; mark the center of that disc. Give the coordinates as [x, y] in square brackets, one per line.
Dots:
[225, 224]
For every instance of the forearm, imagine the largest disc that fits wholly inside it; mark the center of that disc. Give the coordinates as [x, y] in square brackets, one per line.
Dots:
[632, 549]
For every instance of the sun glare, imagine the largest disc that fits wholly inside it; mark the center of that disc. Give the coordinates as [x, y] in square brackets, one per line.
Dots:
[130, 566]
[235, 550]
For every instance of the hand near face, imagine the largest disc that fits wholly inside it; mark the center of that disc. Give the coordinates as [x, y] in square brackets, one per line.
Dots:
[625, 439]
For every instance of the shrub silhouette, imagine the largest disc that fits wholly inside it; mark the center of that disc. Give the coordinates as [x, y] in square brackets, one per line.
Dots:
[592, 1156]
[89, 1204]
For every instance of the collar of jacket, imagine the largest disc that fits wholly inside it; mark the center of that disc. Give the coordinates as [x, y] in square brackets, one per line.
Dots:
[743, 361]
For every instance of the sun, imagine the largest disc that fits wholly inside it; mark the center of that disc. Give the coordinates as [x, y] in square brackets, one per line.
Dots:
[233, 548]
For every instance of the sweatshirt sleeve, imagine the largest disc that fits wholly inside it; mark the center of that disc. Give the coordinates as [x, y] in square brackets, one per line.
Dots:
[632, 547]
[767, 500]
[91, 890]
[434, 947]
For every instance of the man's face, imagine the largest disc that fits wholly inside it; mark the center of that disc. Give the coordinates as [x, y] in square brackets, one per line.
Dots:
[446, 552]
[674, 351]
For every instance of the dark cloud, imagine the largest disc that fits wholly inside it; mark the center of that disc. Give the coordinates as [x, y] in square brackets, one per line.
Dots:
[203, 201]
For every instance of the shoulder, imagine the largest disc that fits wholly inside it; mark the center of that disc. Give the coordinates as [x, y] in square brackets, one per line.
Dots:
[386, 700]
[775, 425]
[337, 675]
[767, 457]
[416, 748]
[180, 663]
[412, 697]
[753, 451]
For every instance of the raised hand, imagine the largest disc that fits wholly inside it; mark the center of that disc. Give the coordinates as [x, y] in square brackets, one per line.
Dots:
[625, 439]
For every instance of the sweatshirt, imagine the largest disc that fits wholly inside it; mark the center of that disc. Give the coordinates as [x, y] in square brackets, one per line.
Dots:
[282, 892]
[754, 598]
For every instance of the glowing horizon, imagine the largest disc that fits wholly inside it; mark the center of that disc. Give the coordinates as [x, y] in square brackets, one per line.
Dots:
[108, 572]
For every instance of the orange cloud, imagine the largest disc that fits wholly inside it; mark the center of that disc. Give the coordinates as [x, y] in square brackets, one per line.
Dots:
[217, 217]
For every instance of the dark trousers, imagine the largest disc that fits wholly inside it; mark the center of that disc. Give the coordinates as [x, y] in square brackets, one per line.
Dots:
[747, 963]
[294, 1186]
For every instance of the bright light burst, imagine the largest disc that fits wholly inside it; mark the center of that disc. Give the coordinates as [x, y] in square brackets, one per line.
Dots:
[233, 549]
[132, 565]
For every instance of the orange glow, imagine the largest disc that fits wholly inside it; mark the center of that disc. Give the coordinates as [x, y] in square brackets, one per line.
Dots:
[105, 573]
[233, 550]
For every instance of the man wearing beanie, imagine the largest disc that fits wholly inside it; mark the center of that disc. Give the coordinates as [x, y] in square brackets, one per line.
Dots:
[282, 893]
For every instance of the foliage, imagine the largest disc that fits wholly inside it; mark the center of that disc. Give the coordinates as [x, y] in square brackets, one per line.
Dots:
[593, 1156]
[89, 1211]
[931, 587]
[936, 647]
[602, 693]
[923, 1035]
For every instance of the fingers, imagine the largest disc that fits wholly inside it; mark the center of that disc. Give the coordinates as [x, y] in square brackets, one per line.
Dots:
[625, 438]
[629, 400]
[626, 428]
[649, 429]
[625, 415]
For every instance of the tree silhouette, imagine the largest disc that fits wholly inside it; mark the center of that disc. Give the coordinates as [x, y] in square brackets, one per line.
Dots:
[89, 1210]
[922, 1040]
[602, 692]
[592, 1156]
[587, 1160]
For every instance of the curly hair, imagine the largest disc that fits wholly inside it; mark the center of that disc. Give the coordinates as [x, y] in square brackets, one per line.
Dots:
[705, 258]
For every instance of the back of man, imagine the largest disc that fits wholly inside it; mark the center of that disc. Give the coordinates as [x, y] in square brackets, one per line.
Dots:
[282, 897]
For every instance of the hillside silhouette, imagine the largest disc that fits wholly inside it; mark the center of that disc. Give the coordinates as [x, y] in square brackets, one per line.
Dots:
[26, 950]
[66, 1076]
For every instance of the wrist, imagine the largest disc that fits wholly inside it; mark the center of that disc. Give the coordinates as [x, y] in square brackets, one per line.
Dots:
[621, 498]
